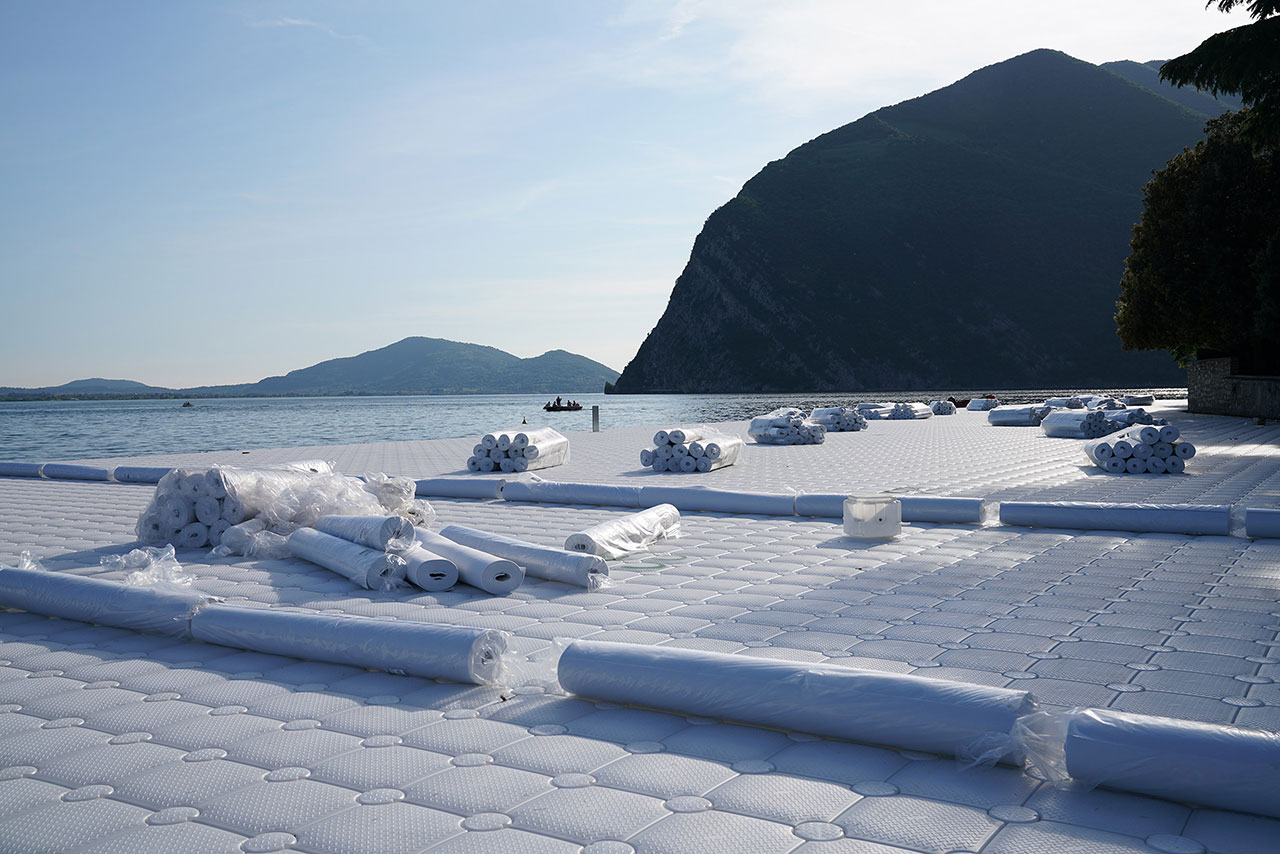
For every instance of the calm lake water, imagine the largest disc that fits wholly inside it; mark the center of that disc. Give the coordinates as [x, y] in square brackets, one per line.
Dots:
[41, 431]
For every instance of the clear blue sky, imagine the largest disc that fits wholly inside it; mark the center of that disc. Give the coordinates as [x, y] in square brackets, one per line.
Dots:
[214, 192]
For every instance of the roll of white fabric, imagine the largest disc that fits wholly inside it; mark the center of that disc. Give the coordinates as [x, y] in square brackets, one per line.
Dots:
[1155, 465]
[1162, 449]
[1098, 450]
[1184, 450]
[508, 466]
[546, 449]
[150, 528]
[982, 404]
[701, 498]
[496, 455]
[1139, 399]
[868, 706]
[725, 450]
[943, 407]
[1114, 465]
[523, 439]
[192, 536]
[494, 575]
[1176, 465]
[238, 539]
[1016, 416]
[646, 458]
[1212, 765]
[660, 465]
[479, 450]
[213, 486]
[428, 570]
[486, 465]
[207, 510]
[473, 464]
[1122, 448]
[1135, 465]
[520, 465]
[1148, 518]
[369, 568]
[176, 512]
[568, 567]
[632, 533]
[504, 442]
[189, 484]
[688, 464]
[1169, 433]
[216, 530]
[374, 532]
[75, 471]
[407, 647]
[459, 487]
[1142, 451]
[135, 474]
[680, 450]
[661, 437]
[164, 608]
[489, 441]
[683, 435]
[1145, 434]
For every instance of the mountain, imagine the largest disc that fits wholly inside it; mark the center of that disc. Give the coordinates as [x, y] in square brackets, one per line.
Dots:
[973, 237]
[1147, 75]
[411, 366]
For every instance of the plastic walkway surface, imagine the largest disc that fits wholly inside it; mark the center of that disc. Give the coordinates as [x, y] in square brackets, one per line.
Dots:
[115, 741]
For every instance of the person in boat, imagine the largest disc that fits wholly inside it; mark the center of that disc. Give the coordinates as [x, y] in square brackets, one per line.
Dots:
[557, 401]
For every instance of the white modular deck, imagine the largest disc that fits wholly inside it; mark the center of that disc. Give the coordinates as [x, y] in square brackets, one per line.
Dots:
[115, 741]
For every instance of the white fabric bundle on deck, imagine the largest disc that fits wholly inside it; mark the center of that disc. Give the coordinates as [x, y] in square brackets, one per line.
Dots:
[632, 533]
[1141, 399]
[428, 570]
[514, 451]
[875, 411]
[1212, 765]
[1064, 403]
[786, 426]
[982, 404]
[459, 653]
[568, 567]
[943, 407]
[394, 533]
[910, 412]
[494, 575]
[839, 419]
[1017, 416]
[710, 451]
[1075, 424]
[874, 707]
[371, 569]
[1145, 449]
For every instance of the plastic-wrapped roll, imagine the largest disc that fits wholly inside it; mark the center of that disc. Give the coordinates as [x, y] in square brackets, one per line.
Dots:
[212, 486]
[371, 569]
[1122, 448]
[696, 498]
[1098, 450]
[489, 441]
[1152, 518]
[1155, 465]
[176, 511]
[520, 465]
[507, 466]
[1176, 465]
[486, 465]
[375, 532]
[1169, 433]
[546, 448]
[72, 471]
[688, 464]
[216, 530]
[523, 439]
[163, 608]
[557, 492]
[21, 469]
[192, 536]
[632, 533]
[496, 454]
[1135, 465]
[1162, 449]
[553, 564]
[1142, 451]
[233, 510]
[662, 437]
[150, 528]
[459, 653]
[1147, 435]
[428, 570]
[1261, 523]
[459, 487]
[859, 705]
[1184, 450]
[473, 464]
[238, 539]
[683, 435]
[1212, 765]
[493, 575]
[189, 484]
[660, 465]
[646, 457]
[139, 474]
[1114, 465]
[479, 450]
[207, 510]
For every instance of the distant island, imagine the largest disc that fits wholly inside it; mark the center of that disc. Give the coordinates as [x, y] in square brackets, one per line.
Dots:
[970, 238]
[411, 366]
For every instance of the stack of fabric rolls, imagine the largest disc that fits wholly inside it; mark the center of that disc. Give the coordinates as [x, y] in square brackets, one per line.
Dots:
[691, 449]
[943, 407]
[786, 426]
[982, 404]
[1017, 416]
[515, 451]
[1076, 424]
[875, 411]
[1148, 449]
[909, 412]
[839, 419]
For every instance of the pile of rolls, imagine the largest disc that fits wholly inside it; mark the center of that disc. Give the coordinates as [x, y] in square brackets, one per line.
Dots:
[909, 412]
[1017, 416]
[1076, 424]
[786, 426]
[982, 404]
[1147, 449]
[943, 407]
[691, 449]
[839, 419]
[514, 451]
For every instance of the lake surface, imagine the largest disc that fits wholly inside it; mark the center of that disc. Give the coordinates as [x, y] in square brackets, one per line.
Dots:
[44, 431]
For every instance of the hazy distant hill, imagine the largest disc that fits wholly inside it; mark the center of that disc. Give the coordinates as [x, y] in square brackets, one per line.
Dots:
[411, 366]
[1147, 75]
[971, 237]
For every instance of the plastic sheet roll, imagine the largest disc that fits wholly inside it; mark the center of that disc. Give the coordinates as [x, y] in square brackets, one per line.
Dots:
[192, 536]
[982, 404]
[1176, 465]
[1155, 465]
[554, 492]
[1207, 764]
[175, 512]
[1099, 451]
[1115, 465]
[70, 471]
[1147, 435]
[632, 533]
[428, 570]
[374, 532]
[1169, 433]
[371, 569]
[460, 487]
[859, 705]
[163, 608]
[1261, 523]
[547, 451]
[1017, 416]
[582, 570]
[494, 575]
[699, 498]
[1184, 450]
[20, 469]
[207, 510]
[915, 508]
[1152, 518]
[233, 511]
[460, 653]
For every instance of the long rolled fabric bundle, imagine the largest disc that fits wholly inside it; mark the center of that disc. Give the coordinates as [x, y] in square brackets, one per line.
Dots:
[374, 532]
[785, 426]
[982, 404]
[428, 570]
[164, 608]
[1139, 399]
[459, 487]
[207, 510]
[1017, 416]
[371, 569]
[494, 575]
[909, 412]
[859, 705]
[704, 499]
[21, 469]
[1261, 523]
[567, 567]
[943, 407]
[515, 451]
[1146, 518]
[459, 653]
[1143, 449]
[555, 492]
[632, 533]
[712, 450]
[915, 508]
[1212, 765]
[1075, 424]
[1099, 451]
[72, 471]
[1064, 403]
[839, 419]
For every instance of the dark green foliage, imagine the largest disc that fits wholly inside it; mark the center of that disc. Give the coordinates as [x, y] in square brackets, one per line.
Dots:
[972, 237]
[1204, 273]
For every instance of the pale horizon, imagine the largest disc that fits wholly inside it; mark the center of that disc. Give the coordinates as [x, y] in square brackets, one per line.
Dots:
[211, 193]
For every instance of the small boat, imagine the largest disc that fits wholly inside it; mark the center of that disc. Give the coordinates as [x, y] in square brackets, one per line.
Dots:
[188, 403]
[563, 407]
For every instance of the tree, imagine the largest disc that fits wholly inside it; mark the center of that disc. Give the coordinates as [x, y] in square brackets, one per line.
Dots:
[1204, 271]
[1244, 61]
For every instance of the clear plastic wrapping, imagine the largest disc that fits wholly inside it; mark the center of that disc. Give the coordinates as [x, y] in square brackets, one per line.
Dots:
[519, 450]
[632, 533]
[909, 412]
[784, 426]
[1076, 424]
[943, 407]
[1017, 416]
[982, 404]
[839, 419]
[370, 568]
[535, 489]
[568, 567]
[1150, 518]
[384, 533]
[494, 575]
[711, 450]
[149, 566]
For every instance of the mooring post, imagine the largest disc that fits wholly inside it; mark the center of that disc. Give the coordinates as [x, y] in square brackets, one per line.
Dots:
[595, 419]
